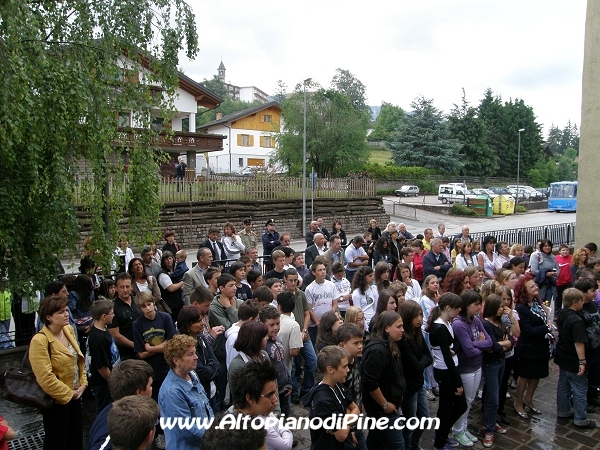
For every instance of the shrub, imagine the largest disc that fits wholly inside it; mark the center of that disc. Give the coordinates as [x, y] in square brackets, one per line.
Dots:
[381, 192]
[391, 172]
[427, 186]
[520, 208]
[462, 210]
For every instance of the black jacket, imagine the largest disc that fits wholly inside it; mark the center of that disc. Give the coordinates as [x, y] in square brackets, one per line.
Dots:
[414, 359]
[206, 243]
[381, 370]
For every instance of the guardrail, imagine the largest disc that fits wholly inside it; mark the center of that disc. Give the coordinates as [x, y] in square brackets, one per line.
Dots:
[562, 233]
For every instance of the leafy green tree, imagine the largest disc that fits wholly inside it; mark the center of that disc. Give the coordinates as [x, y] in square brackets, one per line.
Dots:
[280, 92]
[228, 106]
[469, 129]
[347, 84]
[567, 168]
[216, 85]
[335, 133]
[68, 69]
[554, 139]
[387, 123]
[423, 139]
[491, 111]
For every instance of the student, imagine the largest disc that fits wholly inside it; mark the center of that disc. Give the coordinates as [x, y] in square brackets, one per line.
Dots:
[216, 438]
[415, 357]
[387, 302]
[276, 351]
[383, 379]
[302, 316]
[102, 354]
[150, 332]
[243, 291]
[250, 344]
[321, 295]
[224, 312]
[211, 276]
[591, 318]
[180, 267]
[452, 403]
[201, 298]
[327, 330]
[382, 276]
[275, 286]
[493, 365]
[565, 278]
[254, 393]
[342, 285]
[413, 289]
[131, 422]
[572, 384]
[289, 330]
[126, 312]
[255, 279]
[248, 312]
[365, 293]
[398, 288]
[278, 258]
[263, 296]
[356, 316]
[331, 397]
[350, 338]
[474, 341]
[130, 377]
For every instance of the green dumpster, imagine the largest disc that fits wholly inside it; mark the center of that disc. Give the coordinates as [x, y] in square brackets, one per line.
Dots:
[481, 205]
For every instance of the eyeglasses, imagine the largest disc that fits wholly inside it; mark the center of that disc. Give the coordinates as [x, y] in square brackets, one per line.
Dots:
[360, 319]
[269, 394]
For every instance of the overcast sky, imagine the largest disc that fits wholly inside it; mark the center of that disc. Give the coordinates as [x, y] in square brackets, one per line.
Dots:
[529, 49]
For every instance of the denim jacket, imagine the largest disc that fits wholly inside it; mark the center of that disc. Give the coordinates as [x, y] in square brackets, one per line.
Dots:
[178, 398]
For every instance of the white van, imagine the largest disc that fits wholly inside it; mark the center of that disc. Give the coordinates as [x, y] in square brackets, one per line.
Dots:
[453, 193]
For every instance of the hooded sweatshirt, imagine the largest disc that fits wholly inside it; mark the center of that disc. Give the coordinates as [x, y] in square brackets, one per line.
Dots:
[469, 349]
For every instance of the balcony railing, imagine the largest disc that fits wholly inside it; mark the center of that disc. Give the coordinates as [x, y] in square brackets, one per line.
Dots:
[176, 140]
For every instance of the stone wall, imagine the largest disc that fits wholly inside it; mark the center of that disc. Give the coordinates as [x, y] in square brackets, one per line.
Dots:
[192, 221]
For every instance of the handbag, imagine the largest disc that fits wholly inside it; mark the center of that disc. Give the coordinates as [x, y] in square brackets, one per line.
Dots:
[161, 305]
[21, 386]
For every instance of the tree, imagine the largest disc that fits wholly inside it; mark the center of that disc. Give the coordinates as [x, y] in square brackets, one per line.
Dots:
[423, 140]
[560, 140]
[216, 85]
[469, 129]
[68, 69]
[280, 92]
[335, 132]
[347, 84]
[387, 123]
[567, 168]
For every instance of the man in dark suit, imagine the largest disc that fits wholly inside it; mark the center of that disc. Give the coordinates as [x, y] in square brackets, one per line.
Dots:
[215, 246]
[318, 248]
[435, 262]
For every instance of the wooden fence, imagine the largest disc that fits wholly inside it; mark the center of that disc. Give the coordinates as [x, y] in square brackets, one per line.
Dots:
[248, 188]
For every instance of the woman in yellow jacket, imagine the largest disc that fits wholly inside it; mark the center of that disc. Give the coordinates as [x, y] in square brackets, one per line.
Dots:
[58, 365]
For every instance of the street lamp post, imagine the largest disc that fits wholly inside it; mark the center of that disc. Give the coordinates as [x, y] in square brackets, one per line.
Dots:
[308, 80]
[518, 168]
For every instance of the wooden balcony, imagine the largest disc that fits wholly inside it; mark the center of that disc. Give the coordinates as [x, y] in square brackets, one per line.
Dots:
[177, 141]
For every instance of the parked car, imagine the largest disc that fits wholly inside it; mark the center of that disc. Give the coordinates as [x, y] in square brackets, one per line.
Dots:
[408, 190]
[544, 191]
[487, 192]
[534, 194]
[499, 190]
[453, 193]
[523, 194]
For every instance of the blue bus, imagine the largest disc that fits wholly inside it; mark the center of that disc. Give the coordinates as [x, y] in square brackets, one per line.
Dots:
[563, 196]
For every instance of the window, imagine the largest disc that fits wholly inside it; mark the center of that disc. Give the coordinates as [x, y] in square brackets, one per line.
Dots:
[185, 124]
[245, 140]
[267, 118]
[267, 141]
[241, 162]
[157, 123]
[124, 119]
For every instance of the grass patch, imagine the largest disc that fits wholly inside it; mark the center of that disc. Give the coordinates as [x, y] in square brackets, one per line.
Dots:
[380, 156]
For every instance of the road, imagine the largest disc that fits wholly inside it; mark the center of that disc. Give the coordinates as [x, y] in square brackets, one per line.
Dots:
[417, 220]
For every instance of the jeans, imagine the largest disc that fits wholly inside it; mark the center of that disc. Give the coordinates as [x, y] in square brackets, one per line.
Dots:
[492, 373]
[361, 440]
[414, 405]
[310, 365]
[102, 397]
[350, 275]
[386, 439]
[508, 366]
[570, 385]
[470, 385]
[221, 384]
[312, 332]
[63, 425]
[593, 373]
[284, 403]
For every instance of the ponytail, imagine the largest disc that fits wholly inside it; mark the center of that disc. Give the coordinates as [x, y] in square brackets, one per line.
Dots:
[446, 299]
[434, 315]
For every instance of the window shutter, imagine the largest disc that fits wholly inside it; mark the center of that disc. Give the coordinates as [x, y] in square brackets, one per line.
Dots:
[239, 139]
[251, 143]
[262, 141]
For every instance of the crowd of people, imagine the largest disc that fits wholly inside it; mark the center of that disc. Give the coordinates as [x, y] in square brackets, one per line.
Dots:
[389, 320]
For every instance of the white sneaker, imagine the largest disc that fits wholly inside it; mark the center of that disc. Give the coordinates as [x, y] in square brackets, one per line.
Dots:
[463, 439]
[470, 436]
[160, 442]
